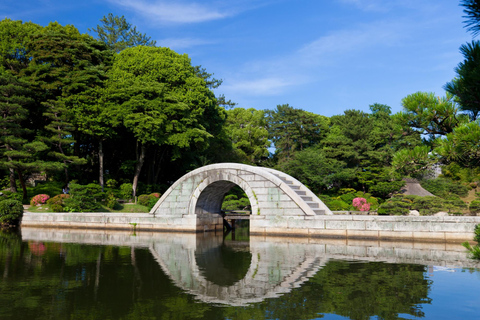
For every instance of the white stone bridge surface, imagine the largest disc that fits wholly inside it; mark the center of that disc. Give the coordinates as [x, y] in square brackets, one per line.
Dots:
[274, 267]
[194, 201]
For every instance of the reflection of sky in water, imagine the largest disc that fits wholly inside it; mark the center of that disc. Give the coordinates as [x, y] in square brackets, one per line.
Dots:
[459, 290]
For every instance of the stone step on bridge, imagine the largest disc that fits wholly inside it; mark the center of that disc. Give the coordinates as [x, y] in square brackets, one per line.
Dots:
[193, 203]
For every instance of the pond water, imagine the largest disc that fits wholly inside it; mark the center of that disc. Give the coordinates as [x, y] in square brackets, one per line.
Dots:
[75, 274]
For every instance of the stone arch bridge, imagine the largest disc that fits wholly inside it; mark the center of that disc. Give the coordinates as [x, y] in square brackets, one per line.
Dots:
[193, 203]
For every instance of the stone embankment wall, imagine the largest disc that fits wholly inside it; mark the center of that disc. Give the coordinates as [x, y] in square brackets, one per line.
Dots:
[424, 228]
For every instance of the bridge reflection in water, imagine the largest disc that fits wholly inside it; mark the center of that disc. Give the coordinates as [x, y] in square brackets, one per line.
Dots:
[241, 273]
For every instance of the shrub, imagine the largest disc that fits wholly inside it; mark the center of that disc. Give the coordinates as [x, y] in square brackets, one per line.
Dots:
[58, 199]
[428, 205]
[442, 187]
[474, 206]
[84, 198]
[338, 205]
[39, 199]
[233, 202]
[55, 207]
[11, 212]
[477, 233]
[111, 183]
[126, 191]
[360, 204]
[156, 194]
[111, 201]
[373, 203]
[394, 206]
[7, 194]
[144, 199]
[151, 203]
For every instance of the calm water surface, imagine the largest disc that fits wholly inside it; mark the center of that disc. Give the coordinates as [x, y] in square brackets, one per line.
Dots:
[96, 275]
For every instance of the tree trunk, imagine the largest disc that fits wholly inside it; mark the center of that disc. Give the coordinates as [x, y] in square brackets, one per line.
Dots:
[100, 164]
[138, 169]
[13, 183]
[22, 183]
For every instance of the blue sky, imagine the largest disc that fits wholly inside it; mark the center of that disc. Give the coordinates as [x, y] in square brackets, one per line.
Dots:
[323, 56]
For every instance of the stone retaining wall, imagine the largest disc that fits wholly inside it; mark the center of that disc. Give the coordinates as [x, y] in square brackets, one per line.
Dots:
[424, 228]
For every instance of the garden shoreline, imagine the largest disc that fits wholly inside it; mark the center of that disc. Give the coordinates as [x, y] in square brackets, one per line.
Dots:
[341, 226]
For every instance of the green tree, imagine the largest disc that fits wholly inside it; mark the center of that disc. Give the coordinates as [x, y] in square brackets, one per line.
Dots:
[14, 35]
[118, 34]
[93, 118]
[17, 154]
[472, 11]
[314, 169]
[162, 102]
[413, 162]
[63, 64]
[461, 146]
[465, 86]
[430, 115]
[247, 130]
[292, 129]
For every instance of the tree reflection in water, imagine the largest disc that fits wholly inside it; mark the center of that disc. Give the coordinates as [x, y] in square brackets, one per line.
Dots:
[65, 280]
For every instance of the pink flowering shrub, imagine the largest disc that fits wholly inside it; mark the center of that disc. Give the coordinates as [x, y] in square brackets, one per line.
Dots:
[39, 199]
[155, 194]
[361, 204]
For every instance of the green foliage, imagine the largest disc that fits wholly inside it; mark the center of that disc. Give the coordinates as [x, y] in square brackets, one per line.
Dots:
[442, 187]
[84, 198]
[401, 204]
[477, 233]
[461, 145]
[233, 202]
[394, 207]
[464, 85]
[118, 34]
[11, 195]
[111, 183]
[151, 203]
[413, 162]
[292, 129]
[126, 191]
[249, 137]
[11, 212]
[431, 115]
[111, 201]
[428, 205]
[57, 207]
[334, 204]
[474, 251]
[385, 189]
[474, 206]
[313, 168]
[51, 188]
[59, 199]
[144, 199]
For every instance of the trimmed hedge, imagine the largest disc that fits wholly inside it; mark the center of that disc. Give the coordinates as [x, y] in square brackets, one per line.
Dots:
[11, 212]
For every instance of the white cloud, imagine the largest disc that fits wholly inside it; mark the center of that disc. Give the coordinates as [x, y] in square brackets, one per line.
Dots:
[182, 43]
[338, 44]
[263, 86]
[380, 5]
[161, 11]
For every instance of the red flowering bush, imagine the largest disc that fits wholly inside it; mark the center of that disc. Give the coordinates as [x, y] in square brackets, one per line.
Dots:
[39, 199]
[361, 204]
[155, 194]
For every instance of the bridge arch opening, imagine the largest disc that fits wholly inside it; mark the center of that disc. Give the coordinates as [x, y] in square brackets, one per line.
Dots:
[211, 198]
[211, 194]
